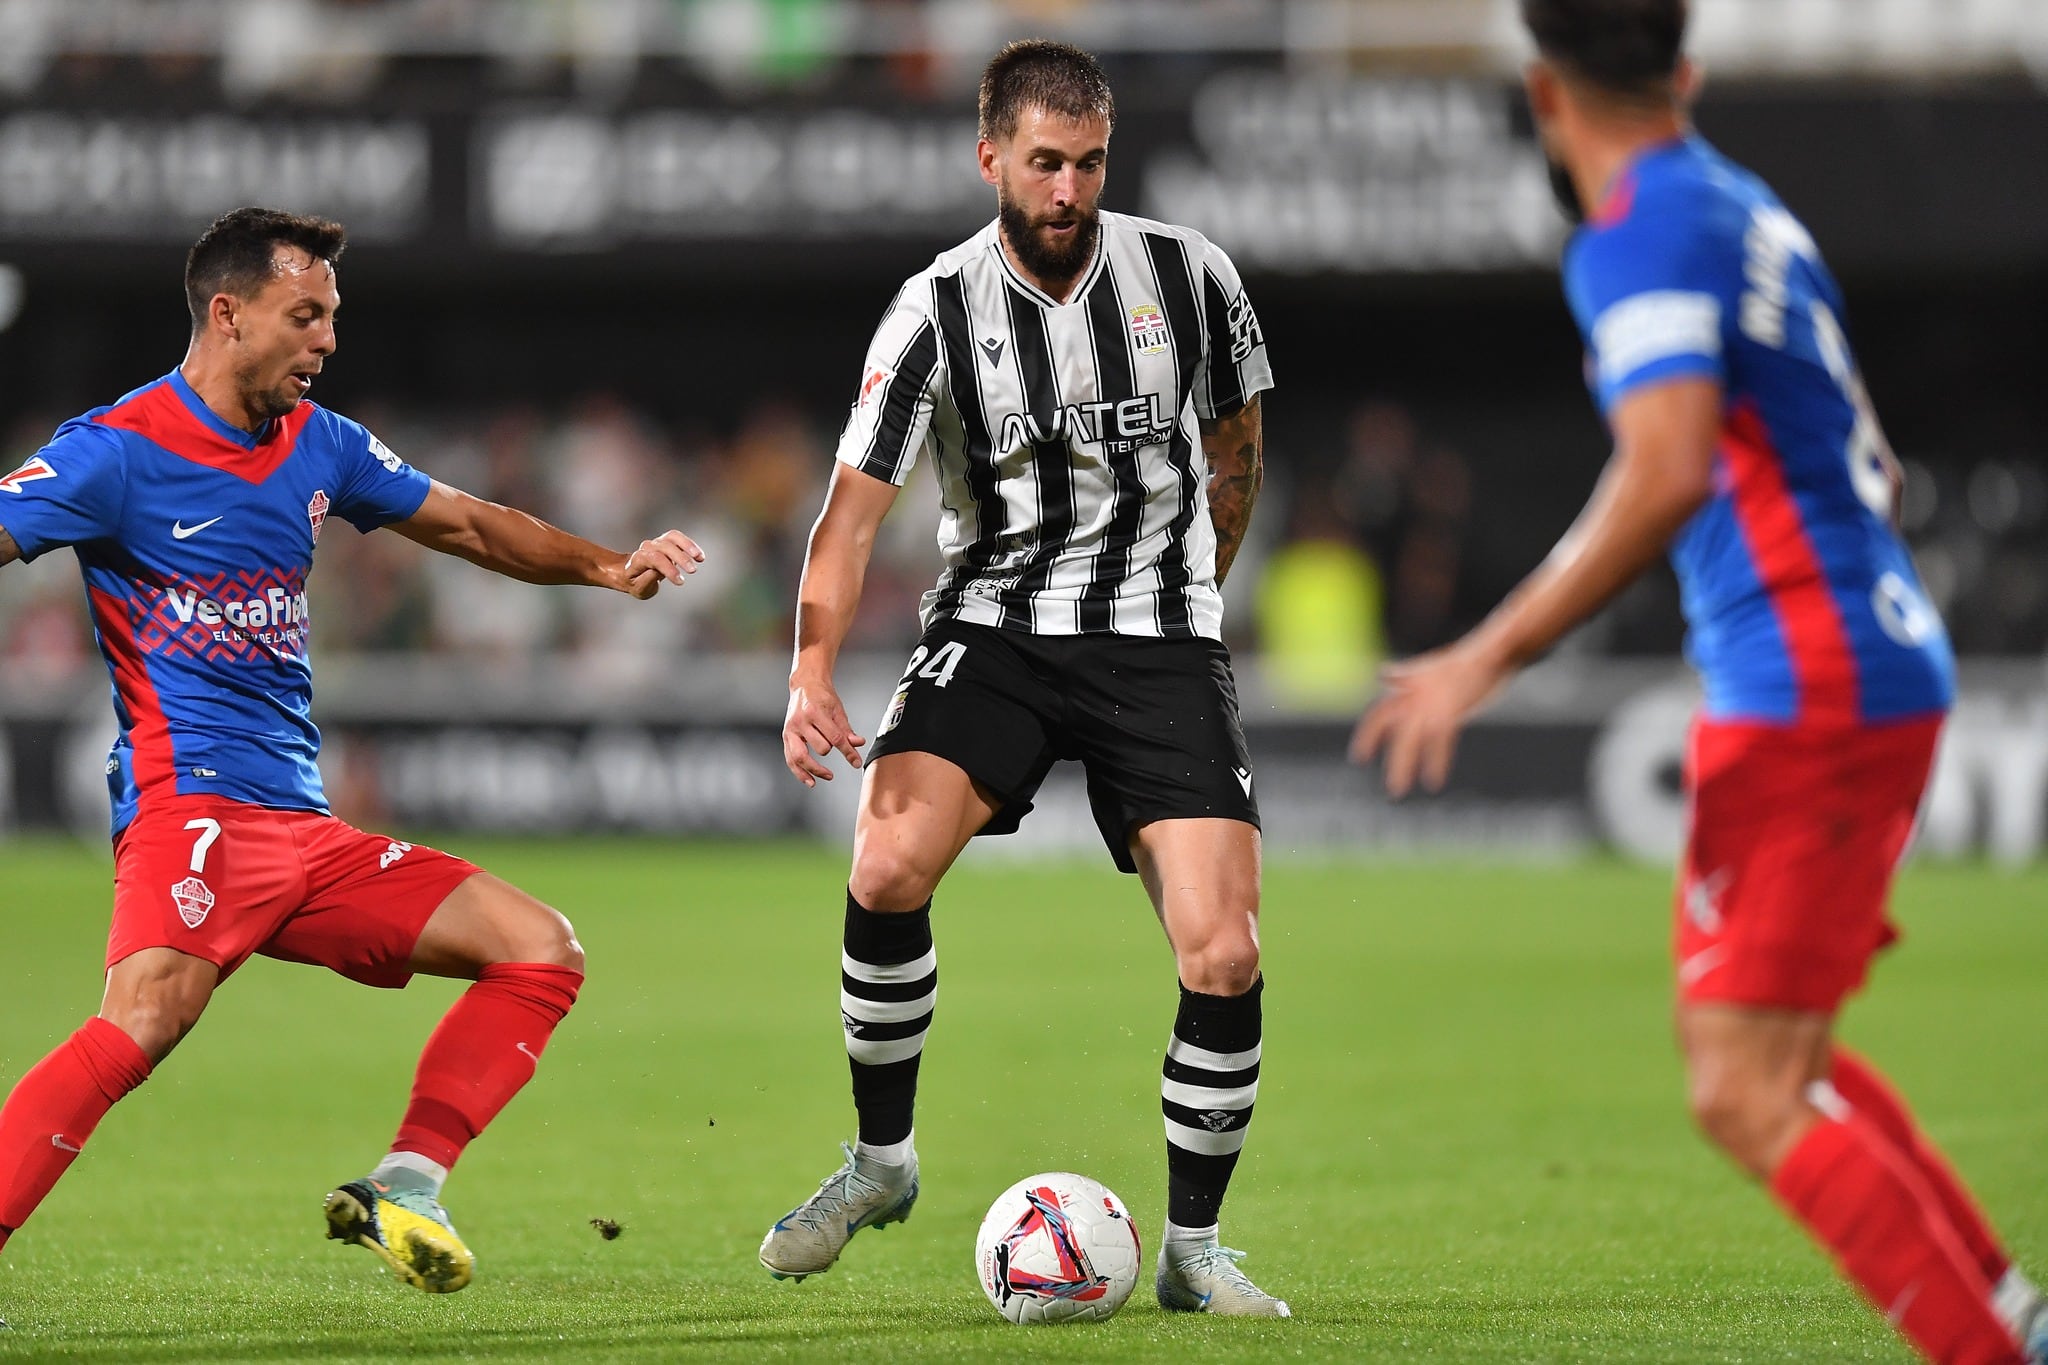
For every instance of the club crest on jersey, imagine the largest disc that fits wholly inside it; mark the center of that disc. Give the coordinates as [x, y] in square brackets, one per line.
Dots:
[36, 468]
[316, 512]
[876, 378]
[193, 900]
[1148, 328]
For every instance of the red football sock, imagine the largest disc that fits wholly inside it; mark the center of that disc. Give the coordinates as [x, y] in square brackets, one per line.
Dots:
[1864, 1201]
[485, 1049]
[1872, 1097]
[47, 1119]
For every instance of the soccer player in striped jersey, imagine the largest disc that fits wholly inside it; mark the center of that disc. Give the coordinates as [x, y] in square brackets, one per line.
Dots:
[194, 505]
[1744, 443]
[1061, 370]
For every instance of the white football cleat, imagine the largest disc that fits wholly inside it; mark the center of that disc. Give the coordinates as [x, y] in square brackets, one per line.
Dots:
[808, 1239]
[1205, 1279]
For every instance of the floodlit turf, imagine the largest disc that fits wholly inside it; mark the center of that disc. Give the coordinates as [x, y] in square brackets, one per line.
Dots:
[1469, 1142]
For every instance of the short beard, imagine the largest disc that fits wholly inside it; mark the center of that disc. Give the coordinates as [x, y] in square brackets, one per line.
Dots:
[1048, 262]
[266, 404]
[1564, 190]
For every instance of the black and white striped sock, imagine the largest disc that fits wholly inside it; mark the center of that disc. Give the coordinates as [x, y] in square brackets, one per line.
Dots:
[1208, 1086]
[888, 985]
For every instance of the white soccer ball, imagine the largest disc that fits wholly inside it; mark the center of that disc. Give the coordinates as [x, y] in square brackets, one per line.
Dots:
[1057, 1248]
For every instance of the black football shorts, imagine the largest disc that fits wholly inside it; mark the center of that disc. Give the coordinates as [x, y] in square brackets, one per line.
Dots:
[1154, 722]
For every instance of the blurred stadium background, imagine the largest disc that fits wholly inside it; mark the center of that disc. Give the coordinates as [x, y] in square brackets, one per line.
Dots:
[615, 261]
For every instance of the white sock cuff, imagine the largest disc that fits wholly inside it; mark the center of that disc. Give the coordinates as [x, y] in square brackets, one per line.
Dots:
[2015, 1300]
[417, 1164]
[888, 1153]
[1177, 1235]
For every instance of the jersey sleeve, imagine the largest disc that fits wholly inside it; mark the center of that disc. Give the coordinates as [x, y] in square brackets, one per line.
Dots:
[892, 413]
[1649, 298]
[1234, 363]
[377, 487]
[67, 493]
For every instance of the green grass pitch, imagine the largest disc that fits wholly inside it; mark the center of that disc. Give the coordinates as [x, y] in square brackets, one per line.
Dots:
[1469, 1145]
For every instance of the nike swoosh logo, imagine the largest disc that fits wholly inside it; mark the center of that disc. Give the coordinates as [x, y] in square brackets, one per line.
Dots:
[180, 531]
[528, 1051]
[57, 1140]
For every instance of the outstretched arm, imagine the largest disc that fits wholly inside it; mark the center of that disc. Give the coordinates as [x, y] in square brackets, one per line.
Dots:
[508, 541]
[1662, 472]
[1236, 449]
[834, 569]
[9, 551]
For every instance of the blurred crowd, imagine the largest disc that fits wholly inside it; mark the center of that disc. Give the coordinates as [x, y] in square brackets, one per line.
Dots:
[1367, 546]
[348, 49]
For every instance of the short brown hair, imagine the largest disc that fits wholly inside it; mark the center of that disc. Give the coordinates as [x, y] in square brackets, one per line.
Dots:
[1037, 72]
[236, 254]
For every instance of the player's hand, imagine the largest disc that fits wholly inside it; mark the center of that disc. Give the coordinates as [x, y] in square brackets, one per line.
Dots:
[1423, 705]
[670, 556]
[815, 726]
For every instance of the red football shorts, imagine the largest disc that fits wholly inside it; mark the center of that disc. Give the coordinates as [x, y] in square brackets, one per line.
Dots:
[1795, 832]
[223, 880]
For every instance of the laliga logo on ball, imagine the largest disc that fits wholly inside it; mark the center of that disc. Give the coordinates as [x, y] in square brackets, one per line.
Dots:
[1057, 1248]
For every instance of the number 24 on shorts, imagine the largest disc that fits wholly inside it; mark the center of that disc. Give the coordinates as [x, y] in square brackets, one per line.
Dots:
[939, 668]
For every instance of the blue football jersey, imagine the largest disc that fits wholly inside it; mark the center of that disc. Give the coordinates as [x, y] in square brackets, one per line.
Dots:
[1802, 602]
[196, 539]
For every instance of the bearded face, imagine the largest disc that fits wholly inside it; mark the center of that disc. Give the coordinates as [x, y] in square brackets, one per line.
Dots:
[1055, 244]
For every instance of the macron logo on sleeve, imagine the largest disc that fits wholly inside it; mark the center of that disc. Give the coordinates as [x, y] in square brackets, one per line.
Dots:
[36, 468]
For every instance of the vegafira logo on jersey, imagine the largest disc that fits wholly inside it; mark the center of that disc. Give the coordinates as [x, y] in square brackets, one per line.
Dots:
[316, 512]
[193, 900]
[1148, 328]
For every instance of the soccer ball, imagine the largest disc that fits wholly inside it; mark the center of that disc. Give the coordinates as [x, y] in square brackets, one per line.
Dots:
[1057, 1248]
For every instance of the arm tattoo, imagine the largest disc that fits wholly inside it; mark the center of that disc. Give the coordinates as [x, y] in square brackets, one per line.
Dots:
[1235, 447]
[9, 551]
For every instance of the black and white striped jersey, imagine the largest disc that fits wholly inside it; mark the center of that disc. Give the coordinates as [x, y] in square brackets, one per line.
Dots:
[1064, 435]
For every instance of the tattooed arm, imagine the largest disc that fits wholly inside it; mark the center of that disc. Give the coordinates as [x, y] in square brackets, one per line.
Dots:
[9, 551]
[1235, 447]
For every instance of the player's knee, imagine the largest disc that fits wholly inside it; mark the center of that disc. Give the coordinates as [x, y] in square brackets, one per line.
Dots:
[157, 1021]
[891, 882]
[1224, 965]
[554, 943]
[156, 996]
[565, 951]
[1738, 1113]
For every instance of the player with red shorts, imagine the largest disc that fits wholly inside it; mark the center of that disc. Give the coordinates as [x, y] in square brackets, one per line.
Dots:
[1744, 444]
[194, 505]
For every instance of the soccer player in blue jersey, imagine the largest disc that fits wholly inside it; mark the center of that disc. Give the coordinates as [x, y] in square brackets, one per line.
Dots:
[1745, 445]
[194, 505]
